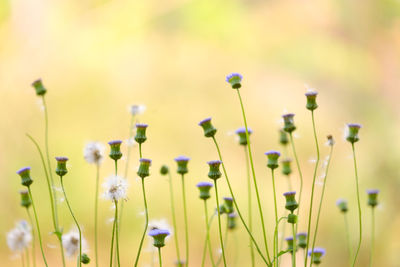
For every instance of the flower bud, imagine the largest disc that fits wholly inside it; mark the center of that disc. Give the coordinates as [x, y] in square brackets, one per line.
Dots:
[372, 197]
[144, 166]
[317, 254]
[292, 218]
[286, 168]
[209, 130]
[115, 152]
[291, 203]
[228, 202]
[164, 170]
[330, 141]
[283, 137]
[39, 88]
[159, 236]
[311, 100]
[85, 258]
[352, 132]
[342, 205]
[241, 132]
[182, 162]
[289, 241]
[235, 80]
[272, 159]
[25, 199]
[288, 122]
[140, 136]
[302, 240]
[61, 169]
[232, 221]
[204, 188]
[25, 174]
[214, 172]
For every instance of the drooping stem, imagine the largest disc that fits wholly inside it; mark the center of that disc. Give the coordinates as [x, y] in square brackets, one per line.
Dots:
[75, 220]
[33, 238]
[372, 235]
[186, 220]
[294, 246]
[276, 221]
[320, 204]
[312, 188]
[116, 231]
[300, 175]
[267, 262]
[249, 207]
[359, 204]
[347, 229]
[171, 195]
[207, 242]
[254, 175]
[219, 223]
[146, 224]
[96, 215]
[159, 256]
[37, 226]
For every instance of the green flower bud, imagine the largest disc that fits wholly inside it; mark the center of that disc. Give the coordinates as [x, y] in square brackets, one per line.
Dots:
[209, 130]
[272, 159]
[302, 240]
[61, 169]
[228, 202]
[25, 174]
[164, 170]
[235, 80]
[182, 162]
[286, 168]
[372, 197]
[141, 133]
[352, 132]
[115, 152]
[291, 203]
[311, 100]
[39, 88]
[283, 137]
[25, 199]
[144, 166]
[342, 205]
[288, 123]
[159, 236]
[232, 221]
[85, 258]
[204, 188]
[317, 254]
[292, 218]
[214, 172]
[241, 132]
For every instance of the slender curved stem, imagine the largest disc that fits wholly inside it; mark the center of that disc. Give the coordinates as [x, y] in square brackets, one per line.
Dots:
[312, 188]
[219, 223]
[254, 175]
[359, 204]
[276, 221]
[249, 207]
[75, 220]
[146, 224]
[116, 231]
[33, 238]
[171, 196]
[300, 175]
[294, 246]
[267, 262]
[96, 215]
[346, 225]
[320, 204]
[372, 235]
[37, 226]
[207, 242]
[159, 256]
[186, 220]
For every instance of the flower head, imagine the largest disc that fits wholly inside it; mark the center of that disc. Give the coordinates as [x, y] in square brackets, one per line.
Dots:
[272, 159]
[286, 166]
[39, 88]
[20, 236]
[316, 254]
[283, 137]
[70, 243]
[214, 172]
[288, 120]
[61, 169]
[182, 162]
[311, 96]
[241, 132]
[342, 205]
[159, 236]
[372, 197]
[232, 220]
[25, 199]
[25, 174]
[302, 239]
[291, 203]
[330, 141]
[137, 109]
[228, 202]
[208, 128]
[164, 170]
[204, 188]
[94, 152]
[140, 136]
[115, 188]
[352, 132]
[235, 80]
[144, 167]
[115, 149]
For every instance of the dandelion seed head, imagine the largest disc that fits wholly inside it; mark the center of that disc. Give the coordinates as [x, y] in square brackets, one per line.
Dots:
[115, 188]
[137, 109]
[20, 236]
[93, 152]
[70, 243]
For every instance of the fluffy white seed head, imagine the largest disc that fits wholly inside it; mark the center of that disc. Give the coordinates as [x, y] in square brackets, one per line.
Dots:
[115, 188]
[137, 109]
[20, 237]
[70, 243]
[94, 152]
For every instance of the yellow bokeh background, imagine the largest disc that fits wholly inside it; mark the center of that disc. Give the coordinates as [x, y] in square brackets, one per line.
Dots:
[98, 57]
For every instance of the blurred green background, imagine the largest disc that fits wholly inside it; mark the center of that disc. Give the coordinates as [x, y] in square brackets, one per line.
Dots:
[98, 57]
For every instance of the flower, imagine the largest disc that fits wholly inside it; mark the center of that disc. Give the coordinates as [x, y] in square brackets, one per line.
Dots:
[39, 88]
[228, 202]
[159, 236]
[19, 237]
[208, 128]
[288, 122]
[25, 174]
[70, 243]
[302, 239]
[61, 169]
[94, 152]
[25, 198]
[316, 254]
[137, 109]
[235, 80]
[144, 166]
[311, 96]
[182, 162]
[272, 159]
[241, 132]
[214, 172]
[351, 133]
[115, 152]
[115, 188]
[330, 141]
[372, 197]
[204, 188]
[291, 203]
[141, 133]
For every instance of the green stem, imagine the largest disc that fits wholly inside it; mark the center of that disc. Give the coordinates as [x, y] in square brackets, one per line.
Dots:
[146, 224]
[27, 257]
[116, 231]
[372, 235]
[75, 220]
[159, 256]
[346, 225]
[37, 226]
[294, 246]
[207, 242]
[268, 263]
[359, 204]
[171, 195]
[312, 188]
[96, 215]
[254, 175]
[225, 243]
[249, 202]
[320, 204]
[140, 150]
[219, 223]
[300, 175]
[186, 220]
[112, 243]
[33, 238]
[276, 220]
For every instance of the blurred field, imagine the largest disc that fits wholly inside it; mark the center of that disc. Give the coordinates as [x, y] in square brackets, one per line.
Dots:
[97, 57]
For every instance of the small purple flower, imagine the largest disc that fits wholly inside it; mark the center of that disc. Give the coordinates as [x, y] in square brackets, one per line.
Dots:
[23, 170]
[202, 122]
[373, 197]
[241, 132]
[204, 184]
[291, 193]
[342, 205]
[208, 128]
[61, 169]
[25, 174]
[182, 162]
[235, 80]
[288, 120]
[214, 172]
[352, 132]
[61, 159]
[182, 159]
[115, 142]
[115, 152]
[159, 236]
[144, 167]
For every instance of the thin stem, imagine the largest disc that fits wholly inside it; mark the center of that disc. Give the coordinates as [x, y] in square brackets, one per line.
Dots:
[249, 207]
[116, 230]
[294, 246]
[358, 202]
[267, 262]
[27, 256]
[186, 220]
[96, 215]
[146, 224]
[372, 235]
[300, 175]
[112, 243]
[219, 223]
[33, 238]
[320, 204]
[207, 242]
[346, 225]
[171, 195]
[225, 242]
[312, 188]
[159, 256]
[75, 220]
[37, 226]
[254, 175]
[22, 258]
[140, 150]
[276, 220]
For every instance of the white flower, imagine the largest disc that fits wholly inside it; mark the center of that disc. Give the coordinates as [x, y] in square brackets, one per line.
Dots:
[94, 152]
[137, 109]
[115, 188]
[19, 237]
[70, 243]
